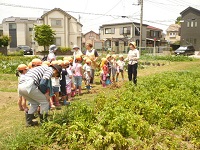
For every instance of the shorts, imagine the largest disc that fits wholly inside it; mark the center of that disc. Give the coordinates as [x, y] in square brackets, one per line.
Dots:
[69, 88]
[78, 80]
[55, 89]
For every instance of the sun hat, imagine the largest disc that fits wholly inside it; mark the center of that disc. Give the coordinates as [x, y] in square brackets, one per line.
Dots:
[108, 55]
[66, 62]
[132, 43]
[52, 48]
[60, 62]
[114, 56]
[36, 62]
[88, 60]
[78, 58]
[46, 63]
[30, 65]
[57, 67]
[121, 56]
[54, 62]
[22, 67]
[75, 46]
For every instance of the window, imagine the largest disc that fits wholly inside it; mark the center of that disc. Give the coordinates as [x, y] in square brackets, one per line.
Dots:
[109, 30]
[12, 26]
[56, 23]
[58, 41]
[30, 29]
[195, 24]
[192, 23]
[188, 24]
[125, 31]
[137, 31]
[195, 41]
[116, 43]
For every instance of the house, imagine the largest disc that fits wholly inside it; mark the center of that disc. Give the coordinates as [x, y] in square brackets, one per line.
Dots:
[190, 27]
[116, 36]
[90, 37]
[20, 30]
[173, 33]
[153, 35]
[67, 28]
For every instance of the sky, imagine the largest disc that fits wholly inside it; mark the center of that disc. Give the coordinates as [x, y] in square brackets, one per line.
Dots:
[94, 13]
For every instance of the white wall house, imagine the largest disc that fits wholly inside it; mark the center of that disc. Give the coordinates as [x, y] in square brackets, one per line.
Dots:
[67, 28]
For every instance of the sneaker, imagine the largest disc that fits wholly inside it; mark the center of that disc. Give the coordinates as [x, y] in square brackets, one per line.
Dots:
[66, 102]
[57, 104]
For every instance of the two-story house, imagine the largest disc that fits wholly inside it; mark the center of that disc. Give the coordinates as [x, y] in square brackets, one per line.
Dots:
[20, 30]
[190, 27]
[173, 33]
[90, 37]
[67, 28]
[153, 36]
[117, 36]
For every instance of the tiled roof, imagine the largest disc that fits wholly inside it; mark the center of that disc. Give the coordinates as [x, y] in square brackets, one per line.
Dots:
[173, 27]
[153, 28]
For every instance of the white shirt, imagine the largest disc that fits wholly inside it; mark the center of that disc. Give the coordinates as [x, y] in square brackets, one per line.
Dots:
[121, 64]
[55, 82]
[67, 77]
[87, 69]
[133, 56]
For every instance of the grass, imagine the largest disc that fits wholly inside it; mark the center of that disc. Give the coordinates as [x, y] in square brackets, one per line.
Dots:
[13, 121]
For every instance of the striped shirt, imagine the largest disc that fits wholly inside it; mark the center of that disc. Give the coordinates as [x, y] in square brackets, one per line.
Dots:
[38, 73]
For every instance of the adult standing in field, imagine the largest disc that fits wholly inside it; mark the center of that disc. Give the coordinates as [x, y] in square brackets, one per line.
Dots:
[51, 56]
[92, 54]
[77, 52]
[34, 87]
[132, 58]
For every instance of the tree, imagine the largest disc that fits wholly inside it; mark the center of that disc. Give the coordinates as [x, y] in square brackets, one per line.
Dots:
[178, 19]
[4, 40]
[44, 35]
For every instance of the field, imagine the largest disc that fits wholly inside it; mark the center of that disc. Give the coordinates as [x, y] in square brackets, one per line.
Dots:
[162, 112]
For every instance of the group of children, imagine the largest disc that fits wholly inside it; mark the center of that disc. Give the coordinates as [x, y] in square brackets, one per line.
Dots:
[73, 73]
[111, 68]
[67, 85]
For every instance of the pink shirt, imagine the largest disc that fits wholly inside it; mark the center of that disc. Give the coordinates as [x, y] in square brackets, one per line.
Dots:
[77, 69]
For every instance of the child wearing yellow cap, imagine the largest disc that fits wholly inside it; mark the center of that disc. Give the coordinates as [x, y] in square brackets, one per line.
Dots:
[21, 70]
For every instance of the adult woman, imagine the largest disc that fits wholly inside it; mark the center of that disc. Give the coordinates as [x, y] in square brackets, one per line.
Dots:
[51, 56]
[132, 57]
[77, 52]
[30, 88]
[93, 56]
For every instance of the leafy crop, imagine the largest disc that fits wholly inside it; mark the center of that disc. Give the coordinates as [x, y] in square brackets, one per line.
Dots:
[9, 64]
[135, 117]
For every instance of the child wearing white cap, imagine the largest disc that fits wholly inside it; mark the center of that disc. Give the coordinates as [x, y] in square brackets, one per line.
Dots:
[120, 67]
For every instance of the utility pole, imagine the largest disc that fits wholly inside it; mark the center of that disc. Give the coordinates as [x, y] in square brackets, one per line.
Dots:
[141, 22]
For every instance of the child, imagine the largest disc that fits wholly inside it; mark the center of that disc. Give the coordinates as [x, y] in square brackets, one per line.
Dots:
[56, 87]
[65, 64]
[68, 79]
[21, 71]
[104, 76]
[120, 67]
[87, 74]
[78, 73]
